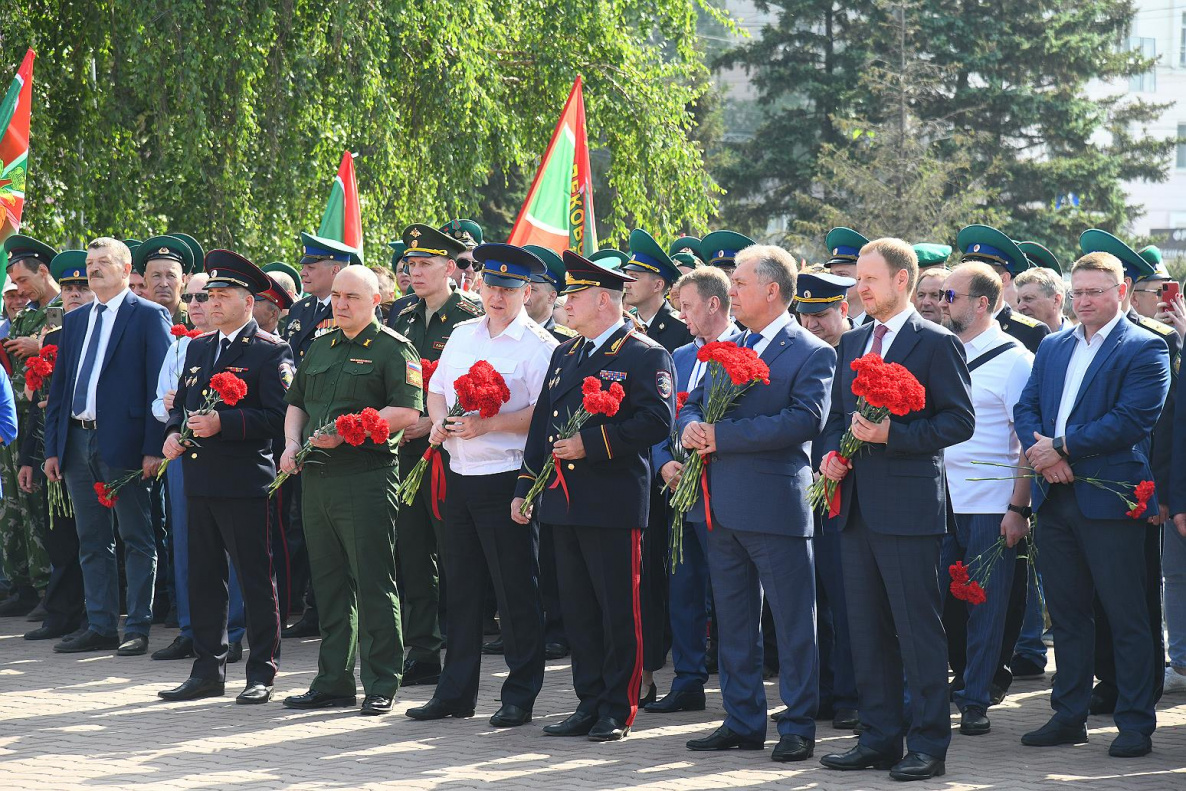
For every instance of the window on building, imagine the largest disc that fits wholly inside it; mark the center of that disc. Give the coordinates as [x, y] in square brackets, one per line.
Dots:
[1182, 42]
[1147, 81]
[1181, 147]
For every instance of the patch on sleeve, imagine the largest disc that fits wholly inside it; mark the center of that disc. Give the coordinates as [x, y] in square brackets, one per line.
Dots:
[287, 372]
[415, 375]
[663, 383]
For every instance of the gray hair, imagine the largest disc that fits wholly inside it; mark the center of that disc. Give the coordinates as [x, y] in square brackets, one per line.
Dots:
[1047, 280]
[118, 250]
[772, 265]
[709, 282]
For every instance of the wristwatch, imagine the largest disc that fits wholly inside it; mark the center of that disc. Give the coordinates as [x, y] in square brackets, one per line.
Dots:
[1023, 510]
[1058, 444]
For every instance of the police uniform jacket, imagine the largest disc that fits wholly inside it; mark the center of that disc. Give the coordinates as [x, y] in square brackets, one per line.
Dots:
[306, 319]
[236, 462]
[1029, 331]
[611, 486]
[667, 329]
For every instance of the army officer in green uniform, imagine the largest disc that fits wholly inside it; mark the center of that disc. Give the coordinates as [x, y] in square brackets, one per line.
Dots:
[349, 495]
[426, 318]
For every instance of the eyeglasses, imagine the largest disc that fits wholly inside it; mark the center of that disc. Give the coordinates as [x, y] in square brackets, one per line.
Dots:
[199, 297]
[949, 296]
[1091, 293]
[1146, 291]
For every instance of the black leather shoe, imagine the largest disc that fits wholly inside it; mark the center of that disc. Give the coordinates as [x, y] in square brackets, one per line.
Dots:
[20, 603]
[87, 641]
[1054, 733]
[234, 652]
[509, 716]
[318, 700]
[793, 748]
[576, 724]
[494, 647]
[254, 692]
[608, 729]
[1103, 699]
[649, 698]
[1130, 744]
[846, 719]
[725, 738]
[918, 766]
[860, 757]
[996, 694]
[133, 645]
[39, 613]
[420, 671]
[437, 709]
[678, 700]
[555, 650]
[180, 648]
[194, 688]
[374, 705]
[47, 632]
[307, 626]
[1026, 668]
[974, 722]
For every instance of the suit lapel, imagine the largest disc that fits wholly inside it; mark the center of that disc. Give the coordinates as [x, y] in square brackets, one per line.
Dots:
[122, 317]
[1060, 359]
[781, 342]
[1101, 357]
[906, 338]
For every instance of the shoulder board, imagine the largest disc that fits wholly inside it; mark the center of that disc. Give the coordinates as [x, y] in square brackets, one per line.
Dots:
[269, 337]
[567, 332]
[570, 345]
[474, 320]
[388, 331]
[643, 339]
[407, 309]
[207, 334]
[541, 333]
[1155, 326]
[1023, 319]
[469, 307]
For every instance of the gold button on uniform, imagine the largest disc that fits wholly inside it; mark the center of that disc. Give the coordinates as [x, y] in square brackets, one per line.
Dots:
[193, 455]
[555, 413]
[571, 466]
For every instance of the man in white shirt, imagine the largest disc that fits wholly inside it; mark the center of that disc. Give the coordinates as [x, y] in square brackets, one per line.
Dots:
[985, 510]
[485, 454]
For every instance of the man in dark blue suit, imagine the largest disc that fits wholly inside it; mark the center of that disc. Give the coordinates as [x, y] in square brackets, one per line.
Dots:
[706, 304]
[1088, 411]
[98, 427]
[757, 506]
[893, 517]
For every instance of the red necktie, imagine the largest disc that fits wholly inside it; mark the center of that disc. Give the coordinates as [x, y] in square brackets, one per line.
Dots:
[878, 333]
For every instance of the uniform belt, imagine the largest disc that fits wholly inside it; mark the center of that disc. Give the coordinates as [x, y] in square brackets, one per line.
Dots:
[89, 425]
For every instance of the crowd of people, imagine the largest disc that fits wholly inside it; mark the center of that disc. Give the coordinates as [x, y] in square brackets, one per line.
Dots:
[179, 449]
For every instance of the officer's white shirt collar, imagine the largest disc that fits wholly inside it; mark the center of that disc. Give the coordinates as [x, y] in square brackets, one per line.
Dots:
[324, 302]
[113, 303]
[1101, 334]
[514, 330]
[984, 341]
[600, 340]
[234, 335]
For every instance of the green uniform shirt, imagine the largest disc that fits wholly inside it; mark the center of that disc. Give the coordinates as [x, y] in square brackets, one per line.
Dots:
[182, 316]
[27, 324]
[339, 375]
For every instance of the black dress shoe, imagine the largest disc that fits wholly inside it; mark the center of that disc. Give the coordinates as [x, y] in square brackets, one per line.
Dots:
[307, 626]
[180, 648]
[777, 715]
[678, 700]
[974, 722]
[47, 632]
[860, 757]
[1103, 699]
[133, 645]
[650, 697]
[793, 748]
[254, 692]
[846, 719]
[996, 693]
[87, 641]
[420, 671]
[725, 738]
[318, 700]
[576, 724]
[374, 705]
[39, 613]
[194, 688]
[608, 729]
[234, 652]
[555, 650]
[1130, 744]
[494, 647]
[1024, 668]
[918, 766]
[20, 603]
[437, 709]
[510, 716]
[1054, 733]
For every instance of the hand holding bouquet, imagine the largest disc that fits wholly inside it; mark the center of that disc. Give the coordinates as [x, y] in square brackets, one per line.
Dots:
[225, 388]
[353, 428]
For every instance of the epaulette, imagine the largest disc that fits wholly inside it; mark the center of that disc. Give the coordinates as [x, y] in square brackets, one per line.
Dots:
[306, 302]
[474, 320]
[539, 332]
[1156, 326]
[465, 304]
[207, 334]
[405, 304]
[384, 328]
[1023, 319]
[567, 332]
[269, 337]
[646, 340]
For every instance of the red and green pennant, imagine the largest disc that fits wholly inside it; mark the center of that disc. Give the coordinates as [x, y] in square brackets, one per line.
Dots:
[14, 146]
[342, 220]
[558, 212]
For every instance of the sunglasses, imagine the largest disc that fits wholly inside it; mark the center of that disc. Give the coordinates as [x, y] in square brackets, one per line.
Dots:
[949, 296]
[199, 297]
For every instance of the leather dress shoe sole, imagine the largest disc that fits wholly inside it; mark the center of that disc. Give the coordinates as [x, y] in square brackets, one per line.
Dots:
[316, 700]
[194, 689]
[793, 748]
[1053, 735]
[723, 738]
[254, 694]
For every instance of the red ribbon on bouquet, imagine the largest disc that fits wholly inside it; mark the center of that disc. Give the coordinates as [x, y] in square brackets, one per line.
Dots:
[433, 454]
[834, 500]
[563, 484]
[704, 490]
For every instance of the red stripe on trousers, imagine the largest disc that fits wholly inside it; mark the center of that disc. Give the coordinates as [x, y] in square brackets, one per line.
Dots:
[635, 581]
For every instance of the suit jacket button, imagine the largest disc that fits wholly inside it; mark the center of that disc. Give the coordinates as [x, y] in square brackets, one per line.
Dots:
[571, 466]
[193, 455]
[550, 438]
[555, 413]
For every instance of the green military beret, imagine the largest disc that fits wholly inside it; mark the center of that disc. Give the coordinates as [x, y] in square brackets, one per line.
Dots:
[467, 232]
[720, 247]
[844, 246]
[1039, 256]
[932, 255]
[199, 253]
[19, 247]
[69, 266]
[988, 245]
[610, 258]
[288, 269]
[167, 247]
[424, 241]
[1136, 266]
[397, 253]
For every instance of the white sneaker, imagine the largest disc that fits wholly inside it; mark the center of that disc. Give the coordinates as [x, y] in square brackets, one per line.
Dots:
[1175, 682]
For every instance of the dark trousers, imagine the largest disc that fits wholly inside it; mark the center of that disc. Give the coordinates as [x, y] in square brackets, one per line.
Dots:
[300, 581]
[653, 592]
[895, 604]
[63, 595]
[278, 510]
[598, 569]
[689, 611]
[486, 543]
[549, 588]
[1079, 557]
[837, 683]
[418, 552]
[238, 527]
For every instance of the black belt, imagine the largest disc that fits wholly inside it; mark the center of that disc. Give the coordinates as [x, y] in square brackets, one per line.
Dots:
[89, 425]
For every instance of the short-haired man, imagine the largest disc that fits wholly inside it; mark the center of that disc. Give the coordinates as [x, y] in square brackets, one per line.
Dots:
[928, 294]
[386, 288]
[166, 261]
[1041, 294]
[13, 304]
[1075, 422]
[989, 246]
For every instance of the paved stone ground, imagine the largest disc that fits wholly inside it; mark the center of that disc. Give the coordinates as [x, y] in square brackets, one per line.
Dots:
[70, 722]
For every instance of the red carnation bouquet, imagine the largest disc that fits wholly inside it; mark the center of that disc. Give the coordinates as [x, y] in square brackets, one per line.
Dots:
[594, 401]
[40, 367]
[427, 369]
[108, 493]
[225, 388]
[732, 370]
[354, 428]
[483, 390]
[182, 331]
[882, 389]
[678, 451]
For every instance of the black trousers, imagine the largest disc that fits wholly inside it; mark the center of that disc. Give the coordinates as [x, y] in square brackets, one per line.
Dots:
[300, 583]
[549, 588]
[238, 527]
[654, 588]
[279, 508]
[485, 543]
[63, 594]
[598, 569]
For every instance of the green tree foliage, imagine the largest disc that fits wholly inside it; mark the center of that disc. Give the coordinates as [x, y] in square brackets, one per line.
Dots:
[227, 120]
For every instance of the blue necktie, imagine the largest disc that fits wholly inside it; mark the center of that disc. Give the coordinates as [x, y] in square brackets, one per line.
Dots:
[88, 363]
[751, 340]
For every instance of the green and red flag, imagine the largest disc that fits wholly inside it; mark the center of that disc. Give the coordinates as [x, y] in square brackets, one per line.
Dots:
[14, 146]
[342, 220]
[558, 213]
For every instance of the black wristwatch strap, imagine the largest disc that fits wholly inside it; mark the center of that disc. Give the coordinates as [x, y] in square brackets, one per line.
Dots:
[1059, 444]
[1024, 510]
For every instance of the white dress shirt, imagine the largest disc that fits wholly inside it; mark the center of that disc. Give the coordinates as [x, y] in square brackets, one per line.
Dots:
[996, 388]
[521, 353]
[170, 376]
[768, 332]
[106, 323]
[1085, 351]
[893, 328]
[600, 340]
[698, 368]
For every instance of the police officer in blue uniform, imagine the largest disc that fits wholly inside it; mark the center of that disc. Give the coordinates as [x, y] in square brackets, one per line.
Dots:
[228, 470]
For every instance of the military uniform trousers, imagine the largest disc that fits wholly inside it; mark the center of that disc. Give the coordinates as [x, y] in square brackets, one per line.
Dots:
[236, 527]
[482, 537]
[419, 548]
[690, 591]
[654, 587]
[23, 522]
[549, 588]
[598, 569]
[349, 525]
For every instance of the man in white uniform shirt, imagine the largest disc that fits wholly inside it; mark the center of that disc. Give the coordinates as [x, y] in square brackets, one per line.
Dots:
[985, 510]
[485, 455]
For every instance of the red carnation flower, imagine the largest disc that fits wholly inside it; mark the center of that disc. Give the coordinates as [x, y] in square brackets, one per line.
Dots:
[230, 388]
[350, 429]
[50, 354]
[958, 571]
[482, 389]
[375, 425]
[604, 402]
[193, 334]
[427, 369]
[680, 400]
[178, 330]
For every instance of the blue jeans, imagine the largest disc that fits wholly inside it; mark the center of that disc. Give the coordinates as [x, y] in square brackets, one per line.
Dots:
[1173, 564]
[82, 468]
[236, 617]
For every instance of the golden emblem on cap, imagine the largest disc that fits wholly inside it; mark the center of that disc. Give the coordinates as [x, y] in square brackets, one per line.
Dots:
[163, 251]
[975, 248]
[502, 268]
[807, 295]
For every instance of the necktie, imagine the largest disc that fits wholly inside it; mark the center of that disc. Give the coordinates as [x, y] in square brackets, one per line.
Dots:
[878, 333]
[223, 345]
[586, 350]
[752, 339]
[82, 386]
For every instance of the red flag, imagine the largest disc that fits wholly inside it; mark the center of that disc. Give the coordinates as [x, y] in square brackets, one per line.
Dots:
[14, 146]
[342, 220]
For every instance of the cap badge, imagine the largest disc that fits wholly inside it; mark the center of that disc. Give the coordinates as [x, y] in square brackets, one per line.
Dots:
[213, 274]
[163, 251]
[806, 295]
[836, 251]
[502, 268]
[975, 248]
